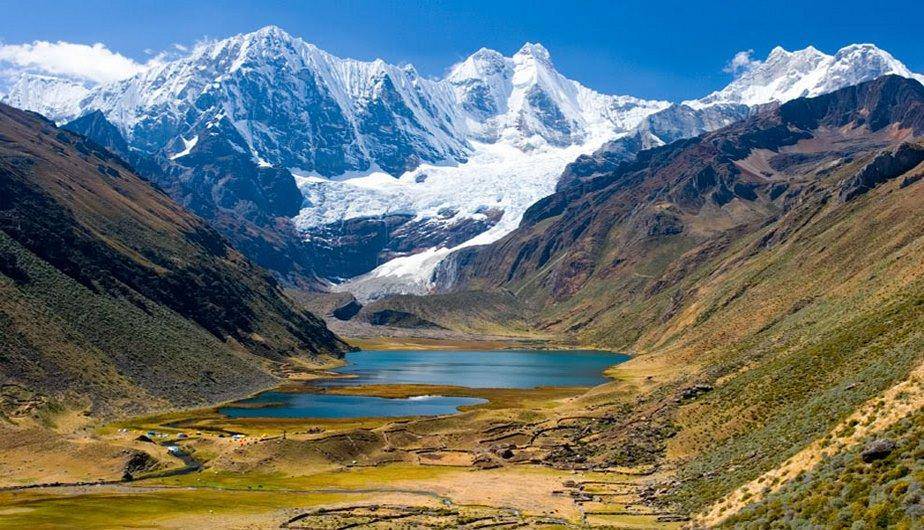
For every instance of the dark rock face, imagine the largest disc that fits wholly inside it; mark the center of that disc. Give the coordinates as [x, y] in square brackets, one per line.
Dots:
[695, 391]
[505, 452]
[356, 246]
[248, 204]
[478, 101]
[138, 462]
[451, 268]
[550, 115]
[884, 167]
[102, 132]
[400, 319]
[911, 179]
[217, 173]
[603, 160]
[11, 268]
[96, 127]
[418, 235]
[347, 311]
[877, 450]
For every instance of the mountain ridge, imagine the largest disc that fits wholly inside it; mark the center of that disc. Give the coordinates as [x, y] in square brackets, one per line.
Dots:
[419, 167]
[714, 168]
[781, 77]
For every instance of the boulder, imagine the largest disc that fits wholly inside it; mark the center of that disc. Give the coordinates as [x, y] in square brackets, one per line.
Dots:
[695, 391]
[877, 450]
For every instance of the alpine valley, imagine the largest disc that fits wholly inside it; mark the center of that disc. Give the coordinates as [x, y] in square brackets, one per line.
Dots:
[577, 309]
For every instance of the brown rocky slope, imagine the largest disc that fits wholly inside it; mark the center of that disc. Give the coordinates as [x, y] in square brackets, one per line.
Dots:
[115, 297]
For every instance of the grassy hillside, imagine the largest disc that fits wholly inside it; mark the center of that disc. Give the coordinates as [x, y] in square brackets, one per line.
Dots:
[845, 490]
[114, 296]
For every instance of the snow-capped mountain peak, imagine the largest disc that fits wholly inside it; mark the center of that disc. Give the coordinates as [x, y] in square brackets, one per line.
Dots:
[523, 100]
[295, 105]
[482, 85]
[786, 75]
[536, 52]
[862, 62]
[272, 31]
[482, 64]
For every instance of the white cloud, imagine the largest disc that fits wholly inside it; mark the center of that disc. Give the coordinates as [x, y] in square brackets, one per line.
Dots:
[741, 62]
[89, 63]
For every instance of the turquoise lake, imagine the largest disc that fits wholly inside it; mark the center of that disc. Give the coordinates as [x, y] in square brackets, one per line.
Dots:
[472, 369]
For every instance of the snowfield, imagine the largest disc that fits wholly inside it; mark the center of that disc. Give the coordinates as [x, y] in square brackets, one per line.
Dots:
[498, 176]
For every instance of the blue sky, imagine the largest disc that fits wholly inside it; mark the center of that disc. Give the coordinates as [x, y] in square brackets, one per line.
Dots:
[669, 50]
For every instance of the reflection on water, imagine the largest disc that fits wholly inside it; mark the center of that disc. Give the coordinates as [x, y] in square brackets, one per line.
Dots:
[479, 369]
[301, 405]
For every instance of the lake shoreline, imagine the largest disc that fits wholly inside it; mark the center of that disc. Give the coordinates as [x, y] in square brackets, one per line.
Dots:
[415, 383]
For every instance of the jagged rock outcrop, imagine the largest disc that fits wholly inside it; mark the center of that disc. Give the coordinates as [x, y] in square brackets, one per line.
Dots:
[883, 167]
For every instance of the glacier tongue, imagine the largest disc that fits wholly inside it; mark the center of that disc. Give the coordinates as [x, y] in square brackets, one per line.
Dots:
[496, 176]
